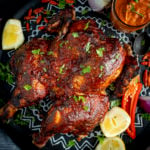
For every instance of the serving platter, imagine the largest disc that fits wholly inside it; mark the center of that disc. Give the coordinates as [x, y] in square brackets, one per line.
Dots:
[27, 120]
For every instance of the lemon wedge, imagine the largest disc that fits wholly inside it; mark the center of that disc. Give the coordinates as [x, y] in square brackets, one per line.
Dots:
[12, 36]
[112, 143]
[115, 122]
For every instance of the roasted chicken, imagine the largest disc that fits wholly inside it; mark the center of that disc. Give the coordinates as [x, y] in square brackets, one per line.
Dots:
[74, 70]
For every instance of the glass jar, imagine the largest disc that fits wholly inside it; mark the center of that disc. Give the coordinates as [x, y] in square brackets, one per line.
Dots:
[121, 9]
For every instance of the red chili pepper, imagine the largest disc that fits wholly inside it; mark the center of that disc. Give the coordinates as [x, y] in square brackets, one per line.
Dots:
[30, 12]
[27, 27]
[38, 10]
[41, 28]
[29, 17]
[129, 103]
[144, 63]
[147, 56]
[70, 1]
[45, 20]
[44, 1]
[38, 20]
[145, 77]
[52, 2]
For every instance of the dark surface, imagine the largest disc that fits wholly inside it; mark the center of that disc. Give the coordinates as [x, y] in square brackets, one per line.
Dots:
[7, 9]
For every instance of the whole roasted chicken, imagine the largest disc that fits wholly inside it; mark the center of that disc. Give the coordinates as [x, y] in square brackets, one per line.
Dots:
[74, 70]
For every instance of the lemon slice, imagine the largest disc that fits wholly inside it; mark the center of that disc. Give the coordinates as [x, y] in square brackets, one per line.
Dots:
[12, 36]
[112, 143]
[115, 122]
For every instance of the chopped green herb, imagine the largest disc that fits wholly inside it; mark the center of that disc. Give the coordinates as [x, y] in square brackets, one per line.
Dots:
[61, 44]
[36, 51]
[48, 12]
[86, 70]
[136, 1]
[143, 42]
[50, 53]
[112, 87]
[45, 70]
[75, 34]
[5, 73]
[27, 87]
[101, 139]
[133, 10]
[42, 61]
[86, 25]
[61, 69]
[115, 103]
[117, 56]
[42, 53]
[101, 68]
[100, 75]
[113, 60]
[85, 108]
[103, 23]
[84, 11]
[87, 47]
[62, 4]
[146, 116]
[100, 51]
[71, 143]
[81, 66]
[79, 98]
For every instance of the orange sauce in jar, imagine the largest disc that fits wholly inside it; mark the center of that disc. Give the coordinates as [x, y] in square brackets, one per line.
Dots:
[130, 15]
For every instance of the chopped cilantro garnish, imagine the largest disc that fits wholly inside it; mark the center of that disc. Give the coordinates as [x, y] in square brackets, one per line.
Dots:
[86, 70]
[42, 61]
[133, 10]
[27, 87]
[115, 103]
[101, 68]
[36, 51]
[45, 70]
[100, 75]
[117, 56]
[75, 34]
[5, 73]
[112, 87]
[62, 4]
[50, 53]
[61, 69]
[75, 98]
[143, 42]
[87, 47]
[85, 108]
[100, 51]
[86, 25]
[84, 11]
[71, 143]
[136, 1]
[101, 139]
[61, 44]
[79, 98]
[146, 116]
[103, 23]
[42, 53]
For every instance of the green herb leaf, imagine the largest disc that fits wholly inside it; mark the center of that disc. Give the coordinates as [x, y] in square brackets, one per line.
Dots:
[50, 53]
[36, 51]
[87, 47]
[111, 87]
[75, 34]
[86, 70]
[101, 139]
[61, 44]
[117, 56]
[136, 1]
[87, 25]
[45, 70]
[133, 10]
[84, 11]
[42, 61]
[71, 143]
[115, 103]
[82, 98]
[146, 116]
[100, 51]
[62, 4]
[85, 108]
[61, 69]
[75, 98]
[42, 53]
[27, 87]
[101, 68]
[103, 23]
[100, 75]
[143, 42]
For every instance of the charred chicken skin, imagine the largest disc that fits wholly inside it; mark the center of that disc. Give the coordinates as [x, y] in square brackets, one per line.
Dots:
[74, 70]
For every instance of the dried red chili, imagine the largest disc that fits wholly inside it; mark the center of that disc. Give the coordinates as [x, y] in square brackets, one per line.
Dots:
[145, 77]
[38, 20]
[45, 20]
[27, 27]
[53, 2]
[70, 1]
[38, 10]
[129, 103]
[41, 28]
[30, 12]
[29, 17]
[44, 1]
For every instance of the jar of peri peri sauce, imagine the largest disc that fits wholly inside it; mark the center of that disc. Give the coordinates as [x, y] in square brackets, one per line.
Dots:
[130, 15]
